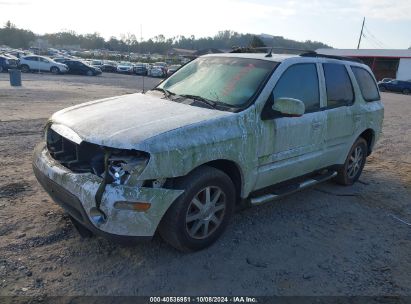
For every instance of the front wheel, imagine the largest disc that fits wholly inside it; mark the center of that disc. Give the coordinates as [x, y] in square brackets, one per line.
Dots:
[89, 73]
[55, 70]
[350, 172]
[200, 215]
[406, 91]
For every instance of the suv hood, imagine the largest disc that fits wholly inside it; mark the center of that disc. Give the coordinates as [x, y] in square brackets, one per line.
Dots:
[126, 121]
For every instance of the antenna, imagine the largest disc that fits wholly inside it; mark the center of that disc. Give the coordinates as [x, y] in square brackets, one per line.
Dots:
[144, 67]
[362, 28]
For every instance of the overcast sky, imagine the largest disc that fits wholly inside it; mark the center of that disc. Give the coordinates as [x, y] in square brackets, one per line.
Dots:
[337, 23]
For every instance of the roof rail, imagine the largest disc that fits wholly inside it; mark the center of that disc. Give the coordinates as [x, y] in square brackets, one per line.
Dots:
[270, 50]
[315, 54]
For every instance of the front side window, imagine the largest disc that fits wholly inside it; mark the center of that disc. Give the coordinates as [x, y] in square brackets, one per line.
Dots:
[300, 81]
[338, 85]
[227, 81]
[367, 84]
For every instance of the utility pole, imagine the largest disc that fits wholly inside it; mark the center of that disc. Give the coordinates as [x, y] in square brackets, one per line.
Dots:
[362, 28]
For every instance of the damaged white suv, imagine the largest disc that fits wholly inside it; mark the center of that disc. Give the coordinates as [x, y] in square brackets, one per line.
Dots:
[223, 131]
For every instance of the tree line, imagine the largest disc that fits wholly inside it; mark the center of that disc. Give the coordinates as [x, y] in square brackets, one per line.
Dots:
[20, 38]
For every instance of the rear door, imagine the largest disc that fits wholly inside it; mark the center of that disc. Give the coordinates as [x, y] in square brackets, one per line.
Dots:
[340, 117]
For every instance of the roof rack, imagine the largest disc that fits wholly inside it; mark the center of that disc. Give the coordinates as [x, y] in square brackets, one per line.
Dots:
[270, 50]
[315, 54]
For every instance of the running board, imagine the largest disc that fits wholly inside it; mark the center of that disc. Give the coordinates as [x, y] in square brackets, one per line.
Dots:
[281, 192]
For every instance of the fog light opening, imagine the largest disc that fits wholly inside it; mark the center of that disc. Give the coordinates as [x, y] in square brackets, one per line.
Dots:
[97, 216]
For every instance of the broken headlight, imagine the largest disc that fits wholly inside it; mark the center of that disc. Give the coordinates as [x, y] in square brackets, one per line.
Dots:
[124, 164]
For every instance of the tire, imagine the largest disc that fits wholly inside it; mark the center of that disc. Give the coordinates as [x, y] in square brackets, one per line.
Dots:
[25, 68]
[350, 172]
[90, 73]
[406, 91]
[55, 70]
[189, 224]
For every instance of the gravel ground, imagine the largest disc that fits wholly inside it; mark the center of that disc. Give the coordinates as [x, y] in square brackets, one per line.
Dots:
[329, 240]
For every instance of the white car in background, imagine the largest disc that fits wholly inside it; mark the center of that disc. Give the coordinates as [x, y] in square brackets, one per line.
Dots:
[125, 67]
[41, 63]
[156, 71]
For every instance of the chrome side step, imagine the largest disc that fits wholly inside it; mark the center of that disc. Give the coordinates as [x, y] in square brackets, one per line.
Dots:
[279, 193]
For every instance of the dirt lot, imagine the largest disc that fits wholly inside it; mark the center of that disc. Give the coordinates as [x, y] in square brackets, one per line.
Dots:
[329, 240]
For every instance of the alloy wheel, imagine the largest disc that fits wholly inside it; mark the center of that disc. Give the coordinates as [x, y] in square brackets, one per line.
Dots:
[355, 162]
[205, 212]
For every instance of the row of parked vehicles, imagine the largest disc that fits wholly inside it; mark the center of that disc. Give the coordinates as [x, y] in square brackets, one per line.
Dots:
[157, 69]
[79, 66]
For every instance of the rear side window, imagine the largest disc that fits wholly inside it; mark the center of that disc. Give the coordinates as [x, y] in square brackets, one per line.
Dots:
[300, 81]
[367, 84]
[338, 84]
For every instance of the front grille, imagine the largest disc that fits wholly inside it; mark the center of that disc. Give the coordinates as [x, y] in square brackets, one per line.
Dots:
[82, 158]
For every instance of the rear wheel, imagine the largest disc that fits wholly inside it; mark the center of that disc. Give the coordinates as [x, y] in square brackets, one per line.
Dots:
[406, 91]
[25, 68]
[55, 70]
[89, 73]
[350, 172]
[200, 215]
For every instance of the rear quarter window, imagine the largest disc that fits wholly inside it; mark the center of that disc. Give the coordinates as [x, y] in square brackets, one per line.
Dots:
[366, 83]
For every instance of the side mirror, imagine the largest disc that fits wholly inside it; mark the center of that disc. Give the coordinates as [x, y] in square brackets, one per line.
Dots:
[289, 106]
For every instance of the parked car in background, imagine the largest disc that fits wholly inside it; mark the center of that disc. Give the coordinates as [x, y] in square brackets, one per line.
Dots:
[78, 67]
[97, 63]
[41, 63]
[7, 62]
[163, 66]
[396, 86]
[157, 71]
[385, 80]
[109, 66]
[140, 69]
[60, 59]
[125, 67]
[173, 68]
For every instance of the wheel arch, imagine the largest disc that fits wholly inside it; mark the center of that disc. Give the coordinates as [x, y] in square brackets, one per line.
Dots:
[369, 136]
[229, 167]
[232, 170]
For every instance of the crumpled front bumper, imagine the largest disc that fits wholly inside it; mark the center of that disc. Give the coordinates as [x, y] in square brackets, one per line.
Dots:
[76, 194]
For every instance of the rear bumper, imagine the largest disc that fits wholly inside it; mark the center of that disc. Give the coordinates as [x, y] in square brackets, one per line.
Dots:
[76, 194]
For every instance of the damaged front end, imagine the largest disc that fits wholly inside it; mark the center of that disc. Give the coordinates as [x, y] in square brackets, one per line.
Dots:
[99, 185]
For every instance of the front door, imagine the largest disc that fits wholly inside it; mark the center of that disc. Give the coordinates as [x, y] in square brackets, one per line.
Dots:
[292, 146]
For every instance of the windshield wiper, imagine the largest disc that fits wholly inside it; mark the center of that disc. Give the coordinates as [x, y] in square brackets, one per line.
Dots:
[166, 92]
[201, 99]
